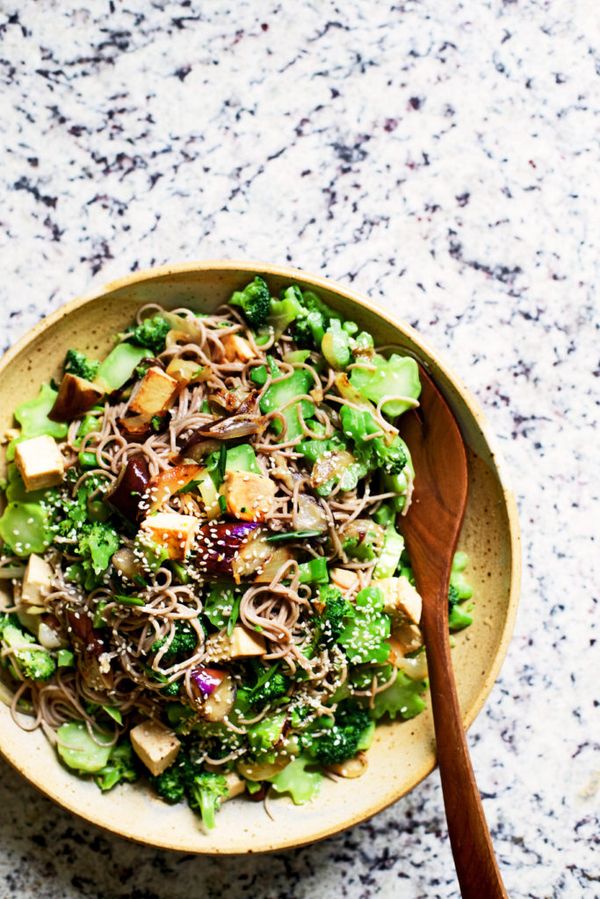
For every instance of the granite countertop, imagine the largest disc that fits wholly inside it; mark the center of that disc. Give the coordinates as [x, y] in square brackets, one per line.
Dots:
[440, 157]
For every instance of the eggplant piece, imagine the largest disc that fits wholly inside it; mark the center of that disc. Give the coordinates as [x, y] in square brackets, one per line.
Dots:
[235, 548]
[129, 491]
[76, 396]
[89, 646]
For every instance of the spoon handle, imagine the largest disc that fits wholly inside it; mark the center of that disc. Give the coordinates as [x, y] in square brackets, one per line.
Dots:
[476, 865]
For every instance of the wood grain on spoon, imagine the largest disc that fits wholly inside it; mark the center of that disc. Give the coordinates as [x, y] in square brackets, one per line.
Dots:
[431, 528]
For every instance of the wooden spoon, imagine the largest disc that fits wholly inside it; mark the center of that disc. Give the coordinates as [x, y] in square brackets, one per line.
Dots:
[431, 528]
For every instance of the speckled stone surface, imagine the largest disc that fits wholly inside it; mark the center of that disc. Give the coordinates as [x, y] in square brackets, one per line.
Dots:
[440, 157]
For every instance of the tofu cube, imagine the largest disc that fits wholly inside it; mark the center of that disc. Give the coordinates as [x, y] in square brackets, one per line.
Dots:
[155, 745]
[173, 531]
[400, 598]
[237, 348]
[245, 644]
[37, 581]
[155, 393]
[249, 496]
[40, 462]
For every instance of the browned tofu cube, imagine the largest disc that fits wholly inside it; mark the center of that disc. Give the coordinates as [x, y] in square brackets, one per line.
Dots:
[249, 496]
[155, 745]
[40, 462]
[401, 600]
[154, 395]
[173, 531]
[75, 397]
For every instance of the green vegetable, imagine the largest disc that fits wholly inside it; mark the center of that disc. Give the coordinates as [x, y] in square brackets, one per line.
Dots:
[392, 548]
[205, 792]
[77, 363]
[309, 329]
[292, 535]
[340, 742]
[152, 555]
[33, 416]
[363, 540]
[402, 699]
[396, 376]
[65, 658]
[242, 458]
[377, 453]
[364, 636]
[35, 664]
[254, 301]
[281, 394]
[286, 310]
[96, 547]
[314, 572]
[120, 767]
[151, 334]
[89, 424]
[219, 602]
[170, 784]
[336, 612]
[335, 346]
[459, 617]
[119, 366]
[263, 735]
[15, 488]
[312, 450]
[88, 460]
[183, 644]
[259, 375]
[128, 600]
[302, 785]
[270, 686]
[79, 750]
[26, 528]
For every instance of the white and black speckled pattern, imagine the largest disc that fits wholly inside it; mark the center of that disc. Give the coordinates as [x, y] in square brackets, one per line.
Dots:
[442, 158]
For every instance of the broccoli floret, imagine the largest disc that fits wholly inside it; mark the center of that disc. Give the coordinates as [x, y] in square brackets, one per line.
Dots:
[254, 301]
[152, 334]
[120, 768]
[310, 327]
[332, 617]
[376, 452]
[340, 742]
[35, 664]
[274, 687]
[183, 644]
[170, 784]
[77, 363]
[205, 792]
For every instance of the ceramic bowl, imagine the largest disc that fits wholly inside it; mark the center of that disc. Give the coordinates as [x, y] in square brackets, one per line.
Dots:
[403, 753]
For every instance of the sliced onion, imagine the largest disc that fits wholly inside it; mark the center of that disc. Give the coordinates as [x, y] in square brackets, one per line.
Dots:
[330, 465]
[126, 563]
[48, 637]
[267, 572]
[232, 427]
[168, 482]
[198, 447]
[415, 668]
[187, 325]
[253, 556]
[311, 515]
[206, 680]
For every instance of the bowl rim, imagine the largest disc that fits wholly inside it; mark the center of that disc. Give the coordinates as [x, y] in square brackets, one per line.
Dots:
[319, 282]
